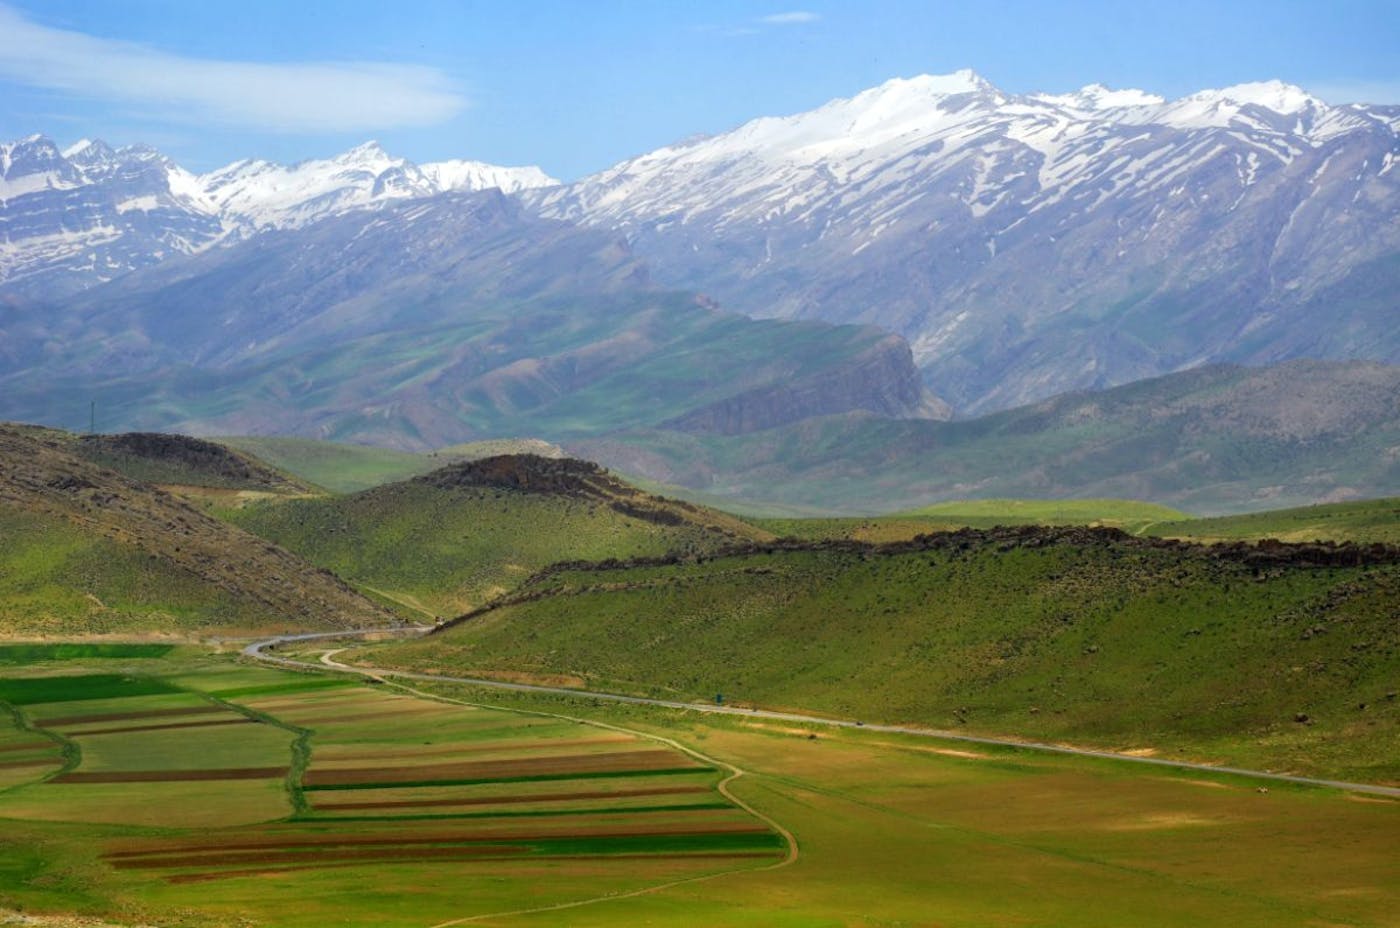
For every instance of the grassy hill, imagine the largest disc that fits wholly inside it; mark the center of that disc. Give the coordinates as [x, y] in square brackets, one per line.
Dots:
[1276, 657]
[347, 468]
[1373, 520]
[84, 549]
[445, 542]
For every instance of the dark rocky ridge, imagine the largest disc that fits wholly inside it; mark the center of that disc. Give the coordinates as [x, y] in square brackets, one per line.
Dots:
[1262, 557]
[571, 477]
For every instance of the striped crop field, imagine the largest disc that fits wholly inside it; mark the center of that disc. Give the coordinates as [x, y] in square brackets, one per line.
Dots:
[248, 790]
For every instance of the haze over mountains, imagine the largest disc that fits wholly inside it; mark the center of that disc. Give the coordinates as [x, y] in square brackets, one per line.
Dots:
[993, 249]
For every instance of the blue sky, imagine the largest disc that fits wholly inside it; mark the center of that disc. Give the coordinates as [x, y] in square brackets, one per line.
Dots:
[577, 86]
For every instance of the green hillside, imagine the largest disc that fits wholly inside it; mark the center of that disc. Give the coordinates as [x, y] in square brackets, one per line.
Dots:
[446, 542]
[86, 550]
[1082, 635]
[1372, 520]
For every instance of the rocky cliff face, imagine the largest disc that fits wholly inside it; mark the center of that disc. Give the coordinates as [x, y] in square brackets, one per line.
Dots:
[882, 381]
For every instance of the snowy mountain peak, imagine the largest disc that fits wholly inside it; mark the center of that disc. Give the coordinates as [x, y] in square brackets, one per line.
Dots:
[1271, 95]
[1097, 97]
[477, 175]
[965, 80]
[367, 153]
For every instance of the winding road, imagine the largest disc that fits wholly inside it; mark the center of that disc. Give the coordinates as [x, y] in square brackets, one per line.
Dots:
[257, 650]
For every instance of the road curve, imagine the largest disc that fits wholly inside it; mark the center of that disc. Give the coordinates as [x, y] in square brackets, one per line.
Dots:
[256, 649]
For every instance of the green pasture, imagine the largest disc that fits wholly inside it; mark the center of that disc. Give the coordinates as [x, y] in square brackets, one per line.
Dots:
[891, 829]
[1363, 521]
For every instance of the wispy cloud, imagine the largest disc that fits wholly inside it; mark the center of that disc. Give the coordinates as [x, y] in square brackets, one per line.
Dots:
[790, 18]
[1345, 91]
[295, 97]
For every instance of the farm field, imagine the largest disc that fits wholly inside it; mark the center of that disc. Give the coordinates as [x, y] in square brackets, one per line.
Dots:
[257, 796]
[377, 806]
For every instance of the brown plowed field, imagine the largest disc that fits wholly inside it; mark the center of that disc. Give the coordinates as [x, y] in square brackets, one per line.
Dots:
[172, 776]
[37, 762]
[128, 716]
[274, 871]
[116, 731]
[506, 800]
[484, 770]
[27, 746]
[343, 854]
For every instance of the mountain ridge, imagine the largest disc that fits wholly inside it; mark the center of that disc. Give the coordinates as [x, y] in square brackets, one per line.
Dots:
[1031, 244]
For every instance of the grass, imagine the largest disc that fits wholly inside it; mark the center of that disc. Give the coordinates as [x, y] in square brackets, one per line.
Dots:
[892, 830]
[20, 654]
[1122, 646]
[436, 552]
[1363, 521]
[336, 466]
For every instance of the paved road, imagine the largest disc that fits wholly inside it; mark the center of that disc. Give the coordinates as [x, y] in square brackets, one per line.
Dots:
[256, 649]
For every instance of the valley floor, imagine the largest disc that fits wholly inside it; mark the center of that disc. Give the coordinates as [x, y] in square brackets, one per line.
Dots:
[369, 804]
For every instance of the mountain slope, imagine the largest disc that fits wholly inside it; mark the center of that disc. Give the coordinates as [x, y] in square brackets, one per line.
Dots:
[89, 550]
[449, 540]
[427, 323]
[1215, 439]
[1027, 245]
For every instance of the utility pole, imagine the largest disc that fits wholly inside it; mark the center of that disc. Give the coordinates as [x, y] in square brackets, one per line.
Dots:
[92, 418]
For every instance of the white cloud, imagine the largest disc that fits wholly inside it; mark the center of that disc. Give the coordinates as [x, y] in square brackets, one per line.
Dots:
[298, 97]
[792, 18]
[1345, 91]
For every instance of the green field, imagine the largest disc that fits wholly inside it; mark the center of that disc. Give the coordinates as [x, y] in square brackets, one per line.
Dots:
[217, 794]
[1363, 521]
[449, 810]
[1126, 645]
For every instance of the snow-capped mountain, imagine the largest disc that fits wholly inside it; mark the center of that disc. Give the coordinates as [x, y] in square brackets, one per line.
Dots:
[74, 218]
[260, 195]
[1030, 244]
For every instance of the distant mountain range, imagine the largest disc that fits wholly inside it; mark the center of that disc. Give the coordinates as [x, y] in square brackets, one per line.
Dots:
[75, 218]
[1031, 244]
[928, 247]
[426, 323]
